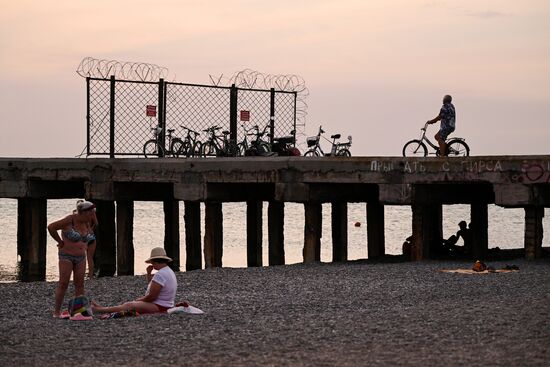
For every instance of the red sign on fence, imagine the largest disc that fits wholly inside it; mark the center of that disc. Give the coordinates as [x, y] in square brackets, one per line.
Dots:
[245, 115]
[151, 111]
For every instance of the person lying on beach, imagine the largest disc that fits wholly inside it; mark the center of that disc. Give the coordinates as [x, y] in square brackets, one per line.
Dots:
[161, 289]
[76, 233]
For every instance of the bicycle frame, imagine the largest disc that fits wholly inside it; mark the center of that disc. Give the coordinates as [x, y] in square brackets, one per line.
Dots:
[425, 138]
[220, 142]
[215, 140]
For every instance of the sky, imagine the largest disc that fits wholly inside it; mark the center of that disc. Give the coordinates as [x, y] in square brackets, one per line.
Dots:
[375, 69]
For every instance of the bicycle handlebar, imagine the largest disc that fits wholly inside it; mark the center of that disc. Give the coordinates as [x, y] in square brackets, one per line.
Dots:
[213, 128]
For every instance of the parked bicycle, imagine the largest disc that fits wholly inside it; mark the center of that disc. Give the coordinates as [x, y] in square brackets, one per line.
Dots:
[258, 146]
[337, 148]
[191, 146]
[456, 147]
[153, 148]
[218, 145]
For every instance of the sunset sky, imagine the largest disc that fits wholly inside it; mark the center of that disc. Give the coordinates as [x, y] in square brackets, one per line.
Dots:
[375, 69]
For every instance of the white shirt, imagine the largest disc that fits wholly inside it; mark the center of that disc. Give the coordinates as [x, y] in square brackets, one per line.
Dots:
[167, 279]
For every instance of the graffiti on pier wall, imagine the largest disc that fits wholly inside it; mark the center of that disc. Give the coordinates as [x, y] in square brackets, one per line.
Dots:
[415, 166]
[529, 172]
[478, 166]
[533, 172]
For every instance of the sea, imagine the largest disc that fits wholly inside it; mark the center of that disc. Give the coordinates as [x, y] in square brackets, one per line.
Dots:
[506, 230]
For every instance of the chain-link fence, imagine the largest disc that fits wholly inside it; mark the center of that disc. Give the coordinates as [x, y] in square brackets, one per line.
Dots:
[122, 114]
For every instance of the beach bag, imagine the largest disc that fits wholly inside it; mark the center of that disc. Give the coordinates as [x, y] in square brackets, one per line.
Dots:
[80, 305]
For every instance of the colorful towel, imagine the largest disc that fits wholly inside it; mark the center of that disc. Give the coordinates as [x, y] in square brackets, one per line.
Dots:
[80, 304]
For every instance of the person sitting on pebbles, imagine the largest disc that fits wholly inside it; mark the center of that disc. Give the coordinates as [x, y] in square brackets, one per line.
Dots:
[161, 289]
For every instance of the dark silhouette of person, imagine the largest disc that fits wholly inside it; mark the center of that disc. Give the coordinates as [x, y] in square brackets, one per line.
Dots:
[466, 234]
[408, 247]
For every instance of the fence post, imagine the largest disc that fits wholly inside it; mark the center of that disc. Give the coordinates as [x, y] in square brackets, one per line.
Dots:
[272, 115]
[112, 120]
[233, 96]
[162, 118]
[87, 116]
[294, 128]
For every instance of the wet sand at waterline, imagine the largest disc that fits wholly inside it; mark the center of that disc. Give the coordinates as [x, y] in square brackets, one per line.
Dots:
[356, 313]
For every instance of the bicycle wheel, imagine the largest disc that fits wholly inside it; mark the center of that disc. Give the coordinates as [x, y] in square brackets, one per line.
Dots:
[151, 149]
[457, 148]
[196, 151]
[178, 147]
[343, 153]
[311, 153]
[415, 148]
[208, 149]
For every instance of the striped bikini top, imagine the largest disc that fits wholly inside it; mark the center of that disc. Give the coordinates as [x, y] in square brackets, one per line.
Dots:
[74, 236]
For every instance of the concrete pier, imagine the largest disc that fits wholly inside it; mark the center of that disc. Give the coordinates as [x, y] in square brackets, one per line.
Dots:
[125, 237]
[425, 184]
[192, 218]
[254, 233]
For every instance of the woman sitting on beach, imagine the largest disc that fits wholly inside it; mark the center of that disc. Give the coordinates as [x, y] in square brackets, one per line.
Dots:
[76, 233]
[161, 290]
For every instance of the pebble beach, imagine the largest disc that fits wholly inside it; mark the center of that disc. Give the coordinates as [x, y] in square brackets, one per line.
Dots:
[327, 314]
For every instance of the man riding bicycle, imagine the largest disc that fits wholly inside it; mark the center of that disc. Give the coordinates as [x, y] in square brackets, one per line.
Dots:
[447, 116]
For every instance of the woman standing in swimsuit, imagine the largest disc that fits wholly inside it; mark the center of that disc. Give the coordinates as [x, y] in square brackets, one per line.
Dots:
[92, 243]
[76, 233]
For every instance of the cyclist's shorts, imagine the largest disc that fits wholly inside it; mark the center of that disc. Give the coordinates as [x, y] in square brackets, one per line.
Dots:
[444, 131]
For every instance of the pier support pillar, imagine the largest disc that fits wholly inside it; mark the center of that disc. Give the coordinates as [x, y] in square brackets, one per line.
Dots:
[213, 236]
[106, 238]
[32, 238]
[275, 224]
[172, 232]
[312, 232]
[124, 237]
[375, 230]
[479, 227]
[339, 218]
[533, 232]
[192, 218]
[254, 233]
[426, 229]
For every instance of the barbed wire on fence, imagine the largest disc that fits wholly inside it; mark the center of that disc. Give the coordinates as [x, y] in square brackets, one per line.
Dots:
[251, 79]
[122, 70]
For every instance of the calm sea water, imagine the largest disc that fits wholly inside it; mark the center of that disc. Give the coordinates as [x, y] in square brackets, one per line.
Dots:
[506, 228]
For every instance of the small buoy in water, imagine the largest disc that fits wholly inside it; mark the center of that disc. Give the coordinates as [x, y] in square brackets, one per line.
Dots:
[358, 224]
